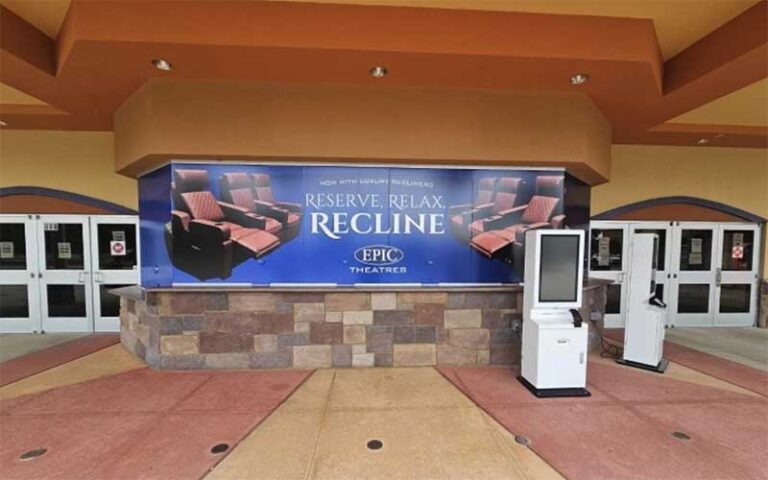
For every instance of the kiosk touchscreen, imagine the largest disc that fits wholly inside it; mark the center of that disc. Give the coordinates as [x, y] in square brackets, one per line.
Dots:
[555, 339]
[644, 330]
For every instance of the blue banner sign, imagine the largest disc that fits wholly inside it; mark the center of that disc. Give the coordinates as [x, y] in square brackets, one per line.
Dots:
[273, 224]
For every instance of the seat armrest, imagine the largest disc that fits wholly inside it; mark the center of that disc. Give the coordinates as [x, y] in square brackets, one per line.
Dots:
[268, 209]
[180, 219]
[232, 211]
[291, 207]
[459, 209]
[254, 220]
[482, 211]
[208, 233]
[520, 236]
[506, 218]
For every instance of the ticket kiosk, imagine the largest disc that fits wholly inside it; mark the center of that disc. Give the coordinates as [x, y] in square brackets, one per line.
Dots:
[644, 331]
[555, 339]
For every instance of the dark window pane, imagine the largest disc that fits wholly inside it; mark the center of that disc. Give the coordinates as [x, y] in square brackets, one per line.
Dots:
[660, 291]
[13, 247]
[66, 300]
[606, 249]
[13, 301]
[110, 304]
[734, 298]
[64, 246]
[613, 305]
[696, 250]
[121, 258]
[662, 245]
[738, 250]
[693, 298]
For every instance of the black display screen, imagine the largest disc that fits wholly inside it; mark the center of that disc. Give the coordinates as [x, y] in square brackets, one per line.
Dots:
[559, 270]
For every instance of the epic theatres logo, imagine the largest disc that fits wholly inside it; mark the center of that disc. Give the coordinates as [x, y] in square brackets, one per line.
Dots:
[379, 259]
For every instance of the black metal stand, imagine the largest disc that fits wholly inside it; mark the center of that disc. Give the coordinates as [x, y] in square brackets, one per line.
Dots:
[554, 392]
[660, 368]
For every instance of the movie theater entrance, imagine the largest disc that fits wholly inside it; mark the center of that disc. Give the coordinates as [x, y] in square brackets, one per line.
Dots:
[707, 271]
[56, 271]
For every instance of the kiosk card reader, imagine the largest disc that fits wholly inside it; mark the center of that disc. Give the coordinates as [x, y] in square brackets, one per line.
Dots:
[555, 337]
[644, 330]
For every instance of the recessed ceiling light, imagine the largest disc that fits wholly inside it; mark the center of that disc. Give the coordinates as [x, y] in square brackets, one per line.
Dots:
[378, 72]
[702, 141]
[579, 79]
[162, 64]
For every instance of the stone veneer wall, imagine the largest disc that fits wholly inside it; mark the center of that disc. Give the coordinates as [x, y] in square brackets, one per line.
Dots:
[762, 319]
[177, 329]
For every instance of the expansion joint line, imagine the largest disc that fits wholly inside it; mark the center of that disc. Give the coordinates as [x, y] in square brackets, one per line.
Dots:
[311, 466]
[502, 443]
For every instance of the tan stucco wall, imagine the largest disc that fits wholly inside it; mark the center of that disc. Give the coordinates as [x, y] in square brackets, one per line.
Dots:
[734, 176]
[78, 162]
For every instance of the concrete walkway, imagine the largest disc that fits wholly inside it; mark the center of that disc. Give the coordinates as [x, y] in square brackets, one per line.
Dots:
[13, 345]
[748, 346]
[428, 430]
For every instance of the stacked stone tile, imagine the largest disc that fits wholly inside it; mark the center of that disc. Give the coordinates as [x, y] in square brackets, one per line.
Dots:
[306, 329]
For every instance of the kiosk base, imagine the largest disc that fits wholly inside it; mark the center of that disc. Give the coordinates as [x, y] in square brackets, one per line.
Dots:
[660, 368]
[554, 392]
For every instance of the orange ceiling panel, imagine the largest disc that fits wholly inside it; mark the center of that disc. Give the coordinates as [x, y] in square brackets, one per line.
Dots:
[103, 52]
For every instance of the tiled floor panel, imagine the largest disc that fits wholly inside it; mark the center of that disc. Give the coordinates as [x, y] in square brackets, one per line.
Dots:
[624, 430]
[142, 424]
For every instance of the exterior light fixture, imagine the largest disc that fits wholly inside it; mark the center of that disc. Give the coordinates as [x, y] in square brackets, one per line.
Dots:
[162, 64]
[3, 124]
[702, 141]
[579, 79]
[378, 72]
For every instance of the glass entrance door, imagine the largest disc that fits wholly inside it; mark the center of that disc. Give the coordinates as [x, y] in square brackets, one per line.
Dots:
[694, 270]
[114, 252]
[608, 260]
[736, 275]
[65, 282]
[19, 286]
[663, 255]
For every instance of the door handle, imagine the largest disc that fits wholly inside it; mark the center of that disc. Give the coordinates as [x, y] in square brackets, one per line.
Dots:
[81, 277]
[97, 277]
[718, 277]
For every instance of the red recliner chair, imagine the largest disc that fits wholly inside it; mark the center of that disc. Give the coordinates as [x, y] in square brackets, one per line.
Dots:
[204, 223]
[461, 215]
[287, 213]
[502, 234]
[503, 202]
[237, 190]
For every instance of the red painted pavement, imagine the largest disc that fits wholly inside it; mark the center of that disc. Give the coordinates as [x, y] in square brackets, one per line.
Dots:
[17, 368]
[732, 372]
[142, 424]
[623, 430]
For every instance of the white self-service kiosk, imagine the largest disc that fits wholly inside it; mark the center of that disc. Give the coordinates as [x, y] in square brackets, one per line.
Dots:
[644, 330]
[555, 339]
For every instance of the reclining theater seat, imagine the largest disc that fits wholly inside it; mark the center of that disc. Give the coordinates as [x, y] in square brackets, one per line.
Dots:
[201, 220]
[461, 215]
[544, 210]
[288, 214]
[504, 200]
[236, 190]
